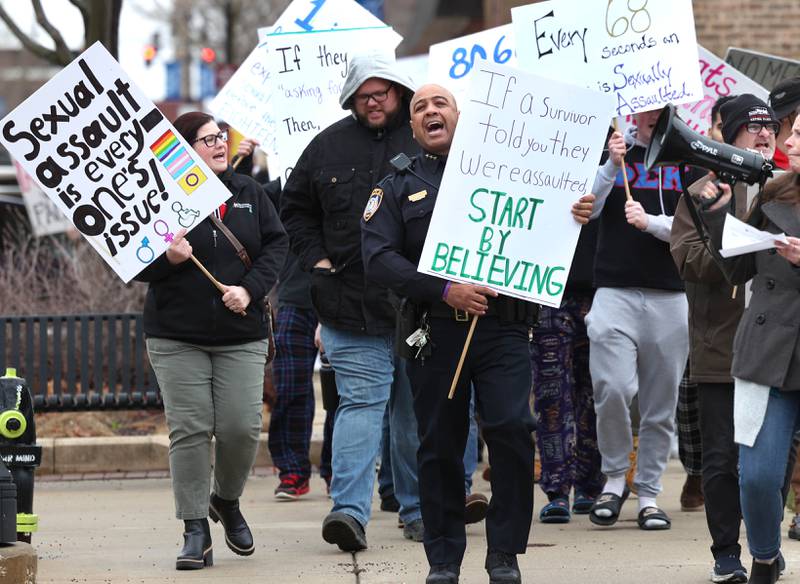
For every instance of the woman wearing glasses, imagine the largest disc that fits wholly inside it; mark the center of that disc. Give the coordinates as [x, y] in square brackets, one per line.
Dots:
[208, 348]
[766, 356]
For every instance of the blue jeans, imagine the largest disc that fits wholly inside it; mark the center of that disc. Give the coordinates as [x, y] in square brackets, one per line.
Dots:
[385, 479]
[762, 470]
[364, 367]
[471, 451]
[404, 443]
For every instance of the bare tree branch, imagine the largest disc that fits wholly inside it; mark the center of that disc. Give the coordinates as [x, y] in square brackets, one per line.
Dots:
[61, 47]
[28, 42]
[84, 10]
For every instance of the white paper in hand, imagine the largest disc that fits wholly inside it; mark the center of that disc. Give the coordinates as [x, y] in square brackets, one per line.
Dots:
[740, 238]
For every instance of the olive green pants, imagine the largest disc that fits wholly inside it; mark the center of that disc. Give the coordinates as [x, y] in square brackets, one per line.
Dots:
[209, 391]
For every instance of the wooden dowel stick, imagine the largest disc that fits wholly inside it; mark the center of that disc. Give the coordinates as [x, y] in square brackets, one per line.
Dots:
[463, 356]
[624, 168]
[208, 275]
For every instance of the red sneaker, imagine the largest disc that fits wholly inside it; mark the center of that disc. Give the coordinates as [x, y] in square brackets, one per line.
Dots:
[292, 487]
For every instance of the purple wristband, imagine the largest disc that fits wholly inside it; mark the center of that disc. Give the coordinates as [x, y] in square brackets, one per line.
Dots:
[446, 290]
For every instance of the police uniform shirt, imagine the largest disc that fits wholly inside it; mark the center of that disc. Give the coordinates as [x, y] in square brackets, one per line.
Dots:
[394, 226]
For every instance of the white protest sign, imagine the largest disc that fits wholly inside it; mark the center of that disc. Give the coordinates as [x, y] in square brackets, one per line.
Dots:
[526, 148]
[451, 63]
[318, 15]
[309, 72]
[45, 216]
[110, 161]
[245, 102]
[719, 79]
[643, 52]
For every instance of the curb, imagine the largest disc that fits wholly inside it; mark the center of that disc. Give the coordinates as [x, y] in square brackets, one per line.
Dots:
[118, 456]
[18, 564]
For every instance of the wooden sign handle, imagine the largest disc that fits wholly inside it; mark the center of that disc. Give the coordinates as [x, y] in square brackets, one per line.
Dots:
[208, 275]
[624, 167]
[463, 357]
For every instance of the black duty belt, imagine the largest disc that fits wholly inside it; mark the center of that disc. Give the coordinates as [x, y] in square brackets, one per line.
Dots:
[443, 310]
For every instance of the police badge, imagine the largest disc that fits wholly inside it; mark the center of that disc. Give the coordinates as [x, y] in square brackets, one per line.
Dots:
[374, 202]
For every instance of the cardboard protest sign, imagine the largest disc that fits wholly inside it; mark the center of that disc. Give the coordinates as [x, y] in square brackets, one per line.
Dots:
[452, 62]
[525, 149]
[245, 102]
[45, 216]
[766, 70]
[719, 79]
[309, 72]
[110, 161]
[640, 52]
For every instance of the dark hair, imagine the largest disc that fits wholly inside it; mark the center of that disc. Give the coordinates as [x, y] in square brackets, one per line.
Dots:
[785, 188]
[189, 123]
[718, 104]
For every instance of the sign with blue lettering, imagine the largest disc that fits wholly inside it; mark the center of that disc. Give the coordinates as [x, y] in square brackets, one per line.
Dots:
[643, 52]
[452, 62]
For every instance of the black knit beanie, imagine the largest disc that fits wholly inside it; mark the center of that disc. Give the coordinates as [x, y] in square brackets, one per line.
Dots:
[744, 109]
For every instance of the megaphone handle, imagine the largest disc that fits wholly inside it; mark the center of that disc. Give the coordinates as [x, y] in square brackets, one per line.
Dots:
[628, 195]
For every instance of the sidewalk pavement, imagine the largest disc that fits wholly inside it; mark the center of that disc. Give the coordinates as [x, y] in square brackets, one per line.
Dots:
[124, 531]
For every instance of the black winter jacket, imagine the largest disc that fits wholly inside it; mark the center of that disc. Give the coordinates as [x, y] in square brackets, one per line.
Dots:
[321, 208]
[294, 285]
[182, 304]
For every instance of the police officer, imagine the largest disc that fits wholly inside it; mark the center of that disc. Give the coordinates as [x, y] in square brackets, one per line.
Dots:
[394, 227]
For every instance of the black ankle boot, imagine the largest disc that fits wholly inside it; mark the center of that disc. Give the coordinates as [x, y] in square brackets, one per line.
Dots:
[196, 552]
[502, 568]
[761, 573]
[237, 533]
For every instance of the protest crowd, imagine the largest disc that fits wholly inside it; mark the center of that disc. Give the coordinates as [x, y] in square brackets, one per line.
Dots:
[553, 271]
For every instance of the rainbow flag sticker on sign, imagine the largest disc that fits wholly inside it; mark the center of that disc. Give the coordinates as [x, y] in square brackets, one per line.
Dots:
[174, 157]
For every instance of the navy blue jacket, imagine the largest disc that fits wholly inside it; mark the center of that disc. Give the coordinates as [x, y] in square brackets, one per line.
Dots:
[393, 235]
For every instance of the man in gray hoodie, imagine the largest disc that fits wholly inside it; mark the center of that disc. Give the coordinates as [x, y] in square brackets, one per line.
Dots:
[321, 208]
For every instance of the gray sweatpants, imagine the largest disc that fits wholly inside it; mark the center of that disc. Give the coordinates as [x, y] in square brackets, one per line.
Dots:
[639, 342]
[209, 391]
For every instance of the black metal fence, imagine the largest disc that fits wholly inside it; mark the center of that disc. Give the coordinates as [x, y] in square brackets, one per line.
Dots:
[80, 362]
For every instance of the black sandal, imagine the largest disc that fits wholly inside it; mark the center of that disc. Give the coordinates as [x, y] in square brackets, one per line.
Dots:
[611, 502]
[650, 514]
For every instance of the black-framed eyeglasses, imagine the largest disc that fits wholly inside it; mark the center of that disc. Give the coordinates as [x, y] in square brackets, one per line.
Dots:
[755, 127]
[211, 139]
[378, 96]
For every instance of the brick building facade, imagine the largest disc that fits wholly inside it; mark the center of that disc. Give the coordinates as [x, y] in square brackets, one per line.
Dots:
[762, 26]
[751, 24]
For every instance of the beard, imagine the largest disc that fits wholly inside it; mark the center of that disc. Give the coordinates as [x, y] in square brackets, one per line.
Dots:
[388, 119]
